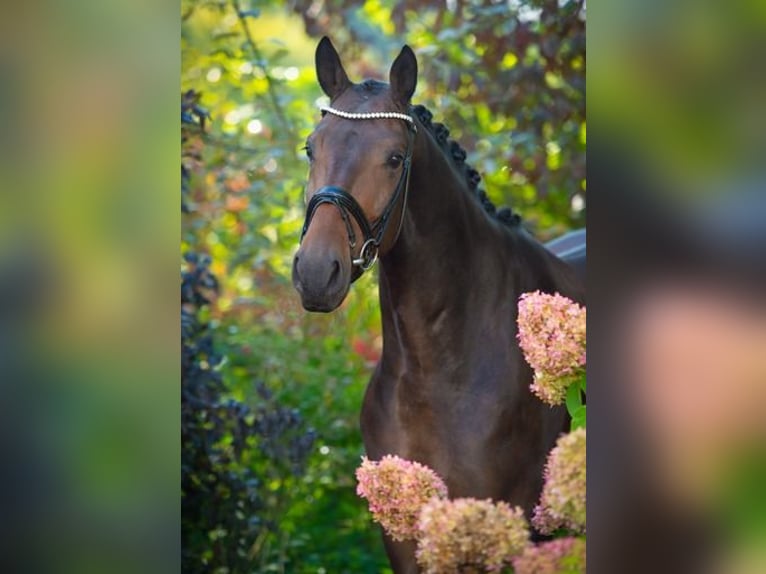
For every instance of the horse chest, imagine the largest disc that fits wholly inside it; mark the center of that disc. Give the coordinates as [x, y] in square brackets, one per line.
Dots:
[454, 431]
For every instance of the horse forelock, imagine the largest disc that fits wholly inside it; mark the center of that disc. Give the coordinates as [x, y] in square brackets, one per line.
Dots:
[373, 87]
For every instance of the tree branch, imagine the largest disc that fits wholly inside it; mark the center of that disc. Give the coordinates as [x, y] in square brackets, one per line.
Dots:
[270, 88]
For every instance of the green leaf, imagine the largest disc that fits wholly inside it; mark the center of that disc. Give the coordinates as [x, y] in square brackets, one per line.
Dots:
[574, 399]
[578, 418]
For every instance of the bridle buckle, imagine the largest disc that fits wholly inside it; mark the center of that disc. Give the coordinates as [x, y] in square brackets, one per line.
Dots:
[365, 259]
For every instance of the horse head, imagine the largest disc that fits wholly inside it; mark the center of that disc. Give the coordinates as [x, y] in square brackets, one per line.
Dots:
[359, 156]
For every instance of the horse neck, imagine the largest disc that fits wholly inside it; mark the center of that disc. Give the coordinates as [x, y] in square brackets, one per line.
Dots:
[452, 261]
[430, 267]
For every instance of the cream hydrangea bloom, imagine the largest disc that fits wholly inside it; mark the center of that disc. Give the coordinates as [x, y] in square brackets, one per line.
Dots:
[466, 532]
[396, 489]
[560, 556]
[562, 502]
[552, 336]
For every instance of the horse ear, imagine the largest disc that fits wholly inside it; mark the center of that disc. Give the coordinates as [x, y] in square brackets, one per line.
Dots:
[403, 76]
[330, 73]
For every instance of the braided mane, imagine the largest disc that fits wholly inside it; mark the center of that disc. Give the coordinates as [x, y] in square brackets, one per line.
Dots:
[454, 151]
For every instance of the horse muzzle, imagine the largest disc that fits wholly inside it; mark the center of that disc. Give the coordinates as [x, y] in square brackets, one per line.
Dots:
[321, 280]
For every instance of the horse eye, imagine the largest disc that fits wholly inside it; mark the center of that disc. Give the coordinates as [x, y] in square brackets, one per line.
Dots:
[395, 160]
[309, 152]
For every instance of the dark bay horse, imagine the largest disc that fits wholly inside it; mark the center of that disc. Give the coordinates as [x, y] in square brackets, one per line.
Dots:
[451, 389]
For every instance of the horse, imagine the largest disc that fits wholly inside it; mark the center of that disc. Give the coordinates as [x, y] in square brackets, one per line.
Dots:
[451, 388]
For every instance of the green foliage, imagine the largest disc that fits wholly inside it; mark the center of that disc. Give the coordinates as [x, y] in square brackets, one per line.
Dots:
[507, 78]
[510, 86]
[325, 524]
[574, 402]
[231, 454]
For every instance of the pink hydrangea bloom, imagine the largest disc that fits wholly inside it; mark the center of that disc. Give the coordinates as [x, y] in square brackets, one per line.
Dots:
[551, 390]
[467, 533]
[562, 502]
[560, 556]
[552, 337]
[396, 489]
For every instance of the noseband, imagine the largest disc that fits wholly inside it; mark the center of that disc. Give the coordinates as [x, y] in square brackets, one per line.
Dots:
[347, 205]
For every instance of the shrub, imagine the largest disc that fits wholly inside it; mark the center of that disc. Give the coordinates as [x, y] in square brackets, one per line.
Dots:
[225, 504]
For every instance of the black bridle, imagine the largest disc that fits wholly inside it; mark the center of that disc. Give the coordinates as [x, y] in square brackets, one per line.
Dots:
[347, 205]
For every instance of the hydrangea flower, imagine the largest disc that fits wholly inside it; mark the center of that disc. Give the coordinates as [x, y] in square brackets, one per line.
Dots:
[396, 489]
[552, 336]
[560, 556]
[562, 502]
[465, 532]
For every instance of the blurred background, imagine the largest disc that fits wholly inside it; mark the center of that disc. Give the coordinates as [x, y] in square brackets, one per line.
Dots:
[272, 394]
[676, 270]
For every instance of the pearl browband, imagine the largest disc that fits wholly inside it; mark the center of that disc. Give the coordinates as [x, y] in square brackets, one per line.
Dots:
[368, 115]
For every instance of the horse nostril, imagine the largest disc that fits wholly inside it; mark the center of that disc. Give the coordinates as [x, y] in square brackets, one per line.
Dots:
[334, 273]
[296, 274]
